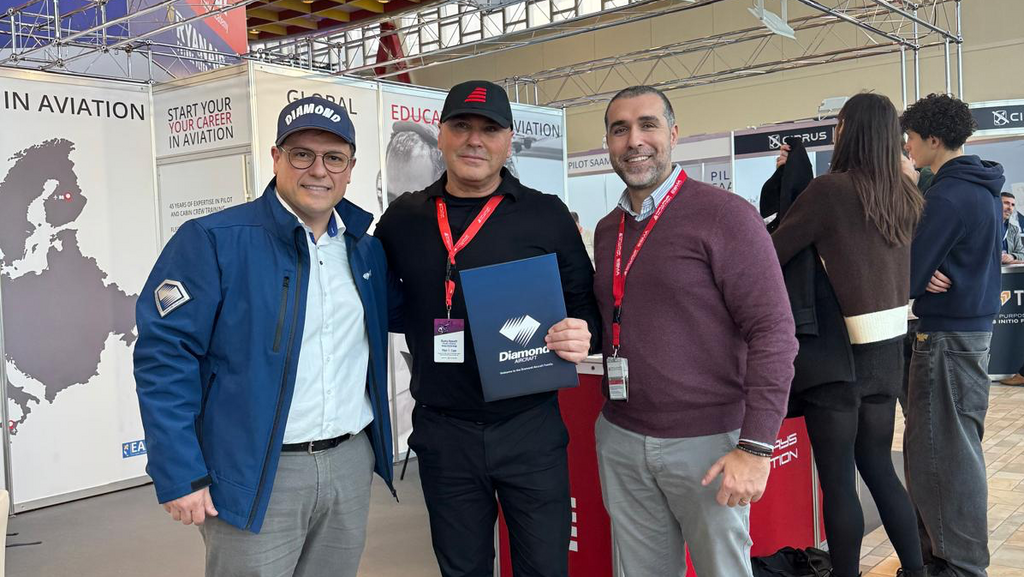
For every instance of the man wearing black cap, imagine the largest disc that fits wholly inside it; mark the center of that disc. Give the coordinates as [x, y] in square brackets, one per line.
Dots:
[471, 450]
[261, 364]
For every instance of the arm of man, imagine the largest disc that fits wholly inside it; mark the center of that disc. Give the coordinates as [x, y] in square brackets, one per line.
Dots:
[938, 230]
[748, 275]
[801, 225]
[574, 338]
[171, 342]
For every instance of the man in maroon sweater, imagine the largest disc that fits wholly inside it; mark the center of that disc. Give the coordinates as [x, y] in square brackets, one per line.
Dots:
[699, 354]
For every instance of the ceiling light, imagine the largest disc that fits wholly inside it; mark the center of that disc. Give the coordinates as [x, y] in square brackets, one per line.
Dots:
[831, 106]
[772, 21]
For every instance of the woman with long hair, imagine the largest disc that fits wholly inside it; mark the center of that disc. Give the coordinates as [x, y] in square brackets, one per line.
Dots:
[860, 217]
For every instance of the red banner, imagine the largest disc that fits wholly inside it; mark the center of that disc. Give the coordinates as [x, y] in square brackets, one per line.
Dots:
[783, 517]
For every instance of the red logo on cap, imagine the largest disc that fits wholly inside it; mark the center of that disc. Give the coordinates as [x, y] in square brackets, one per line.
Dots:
[478, 95]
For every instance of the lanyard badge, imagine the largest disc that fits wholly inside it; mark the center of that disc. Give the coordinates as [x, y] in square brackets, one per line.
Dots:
[617, 368]
[449, 333]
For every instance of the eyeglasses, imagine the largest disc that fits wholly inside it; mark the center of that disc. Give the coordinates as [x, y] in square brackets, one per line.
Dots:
[303, 158]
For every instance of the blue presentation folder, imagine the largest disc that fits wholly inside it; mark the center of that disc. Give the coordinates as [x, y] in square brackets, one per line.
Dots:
[511, 306]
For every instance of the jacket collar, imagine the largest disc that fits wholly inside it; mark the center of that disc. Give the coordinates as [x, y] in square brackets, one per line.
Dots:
[283, 223]
[509, 186]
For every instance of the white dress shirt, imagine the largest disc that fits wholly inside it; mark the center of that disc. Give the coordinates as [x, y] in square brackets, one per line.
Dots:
[330, 397]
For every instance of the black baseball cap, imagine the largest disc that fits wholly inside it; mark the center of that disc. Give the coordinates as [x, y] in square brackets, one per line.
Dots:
[481, 98]
[315, 113]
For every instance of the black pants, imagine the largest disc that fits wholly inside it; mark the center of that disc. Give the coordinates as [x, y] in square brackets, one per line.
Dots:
[859, 438]
[522, 461]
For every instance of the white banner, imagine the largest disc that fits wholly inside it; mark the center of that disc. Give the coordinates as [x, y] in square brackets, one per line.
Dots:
[77, 238]
[208, 116]
[276, 87]
[199, 187]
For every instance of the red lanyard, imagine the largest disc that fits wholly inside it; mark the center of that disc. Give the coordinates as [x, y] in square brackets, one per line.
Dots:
[618, 274]
[467, 236]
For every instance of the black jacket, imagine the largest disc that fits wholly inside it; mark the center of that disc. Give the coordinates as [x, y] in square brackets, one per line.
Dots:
[960, 234]
[825, 355]
[527, 223]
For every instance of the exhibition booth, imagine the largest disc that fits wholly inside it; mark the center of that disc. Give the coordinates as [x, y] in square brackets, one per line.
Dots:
[96, 175]
[1000, 138]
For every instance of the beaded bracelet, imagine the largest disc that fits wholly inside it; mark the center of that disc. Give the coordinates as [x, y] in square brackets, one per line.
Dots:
[754, 451]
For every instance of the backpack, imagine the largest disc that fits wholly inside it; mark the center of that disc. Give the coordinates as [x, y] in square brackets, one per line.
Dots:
[790, 562]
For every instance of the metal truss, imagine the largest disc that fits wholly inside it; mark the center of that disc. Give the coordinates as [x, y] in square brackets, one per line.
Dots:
[456, 31]
[38, 35]
[884, 28]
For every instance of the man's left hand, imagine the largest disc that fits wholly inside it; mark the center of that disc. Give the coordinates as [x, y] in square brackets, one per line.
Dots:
[1007, 258]
[744, 477]
[569, 339]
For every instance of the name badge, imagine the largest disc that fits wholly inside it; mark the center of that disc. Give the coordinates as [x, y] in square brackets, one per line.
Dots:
[618, 379]
[449, 340]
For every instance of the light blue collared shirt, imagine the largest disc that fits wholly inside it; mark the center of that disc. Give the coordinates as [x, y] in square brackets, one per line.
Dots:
[330, 397]
[651, 202]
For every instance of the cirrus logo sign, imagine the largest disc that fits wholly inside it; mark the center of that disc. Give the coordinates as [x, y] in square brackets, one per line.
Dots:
[1005, 117]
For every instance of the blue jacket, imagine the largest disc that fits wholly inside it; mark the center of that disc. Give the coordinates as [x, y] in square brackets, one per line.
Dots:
[960, 234]
[215, 373]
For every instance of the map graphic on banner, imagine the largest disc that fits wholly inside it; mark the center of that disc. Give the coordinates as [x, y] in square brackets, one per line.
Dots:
[197, 43]
[62, 307]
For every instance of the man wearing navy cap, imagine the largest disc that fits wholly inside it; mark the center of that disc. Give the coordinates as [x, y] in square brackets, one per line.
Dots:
[474, 454]
[261, 364]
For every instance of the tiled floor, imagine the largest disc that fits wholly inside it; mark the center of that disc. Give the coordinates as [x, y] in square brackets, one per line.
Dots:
[1004, 454]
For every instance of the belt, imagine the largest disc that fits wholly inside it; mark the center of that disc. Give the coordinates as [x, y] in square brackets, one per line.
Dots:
[315, 446]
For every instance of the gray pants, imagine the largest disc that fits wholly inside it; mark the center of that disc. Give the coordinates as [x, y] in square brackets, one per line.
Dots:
[315, 524]
[652, 491]
[947, 399]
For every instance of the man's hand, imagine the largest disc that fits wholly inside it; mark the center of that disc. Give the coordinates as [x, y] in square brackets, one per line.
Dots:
[939, 283]
[907, 166]
[744, 477]
[569, 339]
[1007, 258]
[783, 155]
[192, 508]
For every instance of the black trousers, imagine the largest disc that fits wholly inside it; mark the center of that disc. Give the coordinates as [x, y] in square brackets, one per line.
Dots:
[468, 468]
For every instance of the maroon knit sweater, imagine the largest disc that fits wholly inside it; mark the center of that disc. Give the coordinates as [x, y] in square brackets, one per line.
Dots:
[706, 323]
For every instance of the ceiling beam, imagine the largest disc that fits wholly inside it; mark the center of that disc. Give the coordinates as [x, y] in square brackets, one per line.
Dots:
[300, 22]
[334, 14]
[263, 14]
[275, 29]
[368, 5]
[294, 5]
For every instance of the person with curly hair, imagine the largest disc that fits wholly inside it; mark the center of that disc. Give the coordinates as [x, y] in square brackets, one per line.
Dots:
[955, 277]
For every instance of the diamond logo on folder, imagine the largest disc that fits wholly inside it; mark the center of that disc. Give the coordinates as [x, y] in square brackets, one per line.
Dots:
[520, 329]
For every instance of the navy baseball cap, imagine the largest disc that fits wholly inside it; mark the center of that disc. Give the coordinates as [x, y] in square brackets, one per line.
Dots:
[315, 113]
[478, 97]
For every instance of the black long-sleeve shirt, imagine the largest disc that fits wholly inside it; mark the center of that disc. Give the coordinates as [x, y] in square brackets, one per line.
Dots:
[527, 223]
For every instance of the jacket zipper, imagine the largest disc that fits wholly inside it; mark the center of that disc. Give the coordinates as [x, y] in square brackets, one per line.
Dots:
[280, 315]
[280, 394]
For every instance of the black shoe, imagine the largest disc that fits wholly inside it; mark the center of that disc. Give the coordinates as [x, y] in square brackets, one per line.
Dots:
[901, 572]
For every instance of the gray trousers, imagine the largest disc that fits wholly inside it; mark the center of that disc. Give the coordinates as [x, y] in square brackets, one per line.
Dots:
[315, 524]
[652, 491]
[947, 399]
